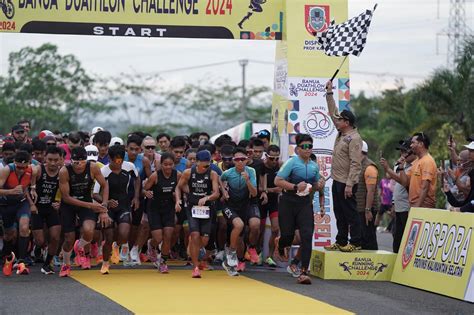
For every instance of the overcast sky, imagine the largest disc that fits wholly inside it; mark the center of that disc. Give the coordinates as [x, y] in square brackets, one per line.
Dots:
[401, 43]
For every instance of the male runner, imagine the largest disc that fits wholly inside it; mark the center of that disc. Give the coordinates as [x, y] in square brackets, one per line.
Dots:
[45, 210]
[75, 183]
[242, 185]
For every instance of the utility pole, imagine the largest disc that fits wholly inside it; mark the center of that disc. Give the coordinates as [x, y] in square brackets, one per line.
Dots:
[457, 31]
[243, 106]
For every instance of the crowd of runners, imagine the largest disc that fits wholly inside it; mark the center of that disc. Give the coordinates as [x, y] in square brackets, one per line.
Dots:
[86, 199]
[89, 199]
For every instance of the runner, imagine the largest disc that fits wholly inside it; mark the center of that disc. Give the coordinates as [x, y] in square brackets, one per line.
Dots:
[140, 228]
[75, 184]
[161, 215]
[73, 141]
[272, 165]
[163, 140]
[203, 186]
[15, 179]
[178, 147]
[298, 177]
[8, 153]
[119, 174]
[102, 141]
[45, 211]
[149, 151]
[242, 185]
[39, 150]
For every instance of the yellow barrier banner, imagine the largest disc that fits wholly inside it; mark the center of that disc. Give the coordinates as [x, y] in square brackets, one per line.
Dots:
[227, 19]
[437, 253]
[364, 265]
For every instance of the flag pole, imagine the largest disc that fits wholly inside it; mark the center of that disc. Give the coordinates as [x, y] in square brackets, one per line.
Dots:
[340, 66]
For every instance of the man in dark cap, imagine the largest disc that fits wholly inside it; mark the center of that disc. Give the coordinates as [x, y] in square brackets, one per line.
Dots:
[346, 168]
[19, 133]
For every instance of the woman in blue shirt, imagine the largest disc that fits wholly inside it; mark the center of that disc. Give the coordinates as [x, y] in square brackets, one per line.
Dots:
[298, 178]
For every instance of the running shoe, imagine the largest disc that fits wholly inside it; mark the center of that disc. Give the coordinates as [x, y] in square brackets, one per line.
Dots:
[57, 262]
[304, 278]
[65, 271]
[94, 250]
[203, 265]
[219, 257]
[22, 269]
[349, 248]
[164, 268]
[240, 266]
[38, 258]
[230, 270]
[47, 270]
[196, 273]
[86, 265]
[293, 270]
[134, 256]
[232, 258]
[8, 265]
[124, 252]
[333, 247]
[143, 258]
[260, 259]
[115, 258]
[105, 268]
[270, 262]
[28, 261]
[253, 255]
[151, 252]
[80, 255]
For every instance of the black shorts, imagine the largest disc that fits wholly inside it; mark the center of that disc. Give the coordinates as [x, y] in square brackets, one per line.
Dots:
[120, 215]
[182, 217]
[69, 214]
[14, 212]
[162, 217]
[270, 209]
[245, 211]
[203, 226]
[46, 214]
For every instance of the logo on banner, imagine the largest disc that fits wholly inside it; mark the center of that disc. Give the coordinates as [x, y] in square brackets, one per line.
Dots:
[409, 249]
[318, 124]
[316, 18]
[8, 8]
[363, 266]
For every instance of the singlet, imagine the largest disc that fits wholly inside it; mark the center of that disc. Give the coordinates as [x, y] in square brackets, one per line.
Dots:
[80, 185]
[46, 188]
[119, 183]
[138, 164]
[271, 174]
[163, 190]
[200, 185]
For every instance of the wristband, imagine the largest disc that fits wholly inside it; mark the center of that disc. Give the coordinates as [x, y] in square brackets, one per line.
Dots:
[33, 187]
[330, 93]
[368, 210]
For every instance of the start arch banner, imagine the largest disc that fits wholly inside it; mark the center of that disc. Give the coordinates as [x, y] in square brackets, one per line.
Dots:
[225, 19]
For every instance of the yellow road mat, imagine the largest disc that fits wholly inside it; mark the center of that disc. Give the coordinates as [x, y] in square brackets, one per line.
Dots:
[145, 291]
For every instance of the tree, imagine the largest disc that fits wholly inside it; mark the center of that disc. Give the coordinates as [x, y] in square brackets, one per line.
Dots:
[50, 89]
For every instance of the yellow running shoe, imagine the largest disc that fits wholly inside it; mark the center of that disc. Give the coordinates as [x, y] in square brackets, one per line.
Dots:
[115, 259]
[105, 268]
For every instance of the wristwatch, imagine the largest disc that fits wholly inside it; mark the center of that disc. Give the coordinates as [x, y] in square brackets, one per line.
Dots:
[368, 210]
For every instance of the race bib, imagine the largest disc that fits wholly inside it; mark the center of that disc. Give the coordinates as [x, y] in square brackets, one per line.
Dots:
[199, 212]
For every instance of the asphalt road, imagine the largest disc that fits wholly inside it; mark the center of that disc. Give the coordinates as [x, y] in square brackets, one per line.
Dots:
[39, 294]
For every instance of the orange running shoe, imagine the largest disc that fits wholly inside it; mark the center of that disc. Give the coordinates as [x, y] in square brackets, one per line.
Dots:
[196, 273]
[22, 269]
[115, 258]
[8, 266]
[65, 271]
[105, 268]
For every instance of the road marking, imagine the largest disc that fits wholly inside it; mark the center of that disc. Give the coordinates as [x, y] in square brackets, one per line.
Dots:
[147, 291]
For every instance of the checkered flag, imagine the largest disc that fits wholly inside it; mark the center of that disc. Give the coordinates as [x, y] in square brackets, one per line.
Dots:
[348, 38]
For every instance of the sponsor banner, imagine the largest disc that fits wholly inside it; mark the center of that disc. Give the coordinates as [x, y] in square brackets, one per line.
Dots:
[230, 19]
[363, 265]
[437, 253]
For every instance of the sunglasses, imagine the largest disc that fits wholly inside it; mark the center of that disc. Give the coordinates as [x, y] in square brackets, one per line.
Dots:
[306, 146]
[263, 133]
[241, 159]
[273, 158]
[150, 147]
[78, 162]
[92, 153]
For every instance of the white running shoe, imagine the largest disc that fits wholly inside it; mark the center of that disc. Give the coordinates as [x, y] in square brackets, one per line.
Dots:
[232, 259]
[134, 256]
[124, 252]
[220, 256]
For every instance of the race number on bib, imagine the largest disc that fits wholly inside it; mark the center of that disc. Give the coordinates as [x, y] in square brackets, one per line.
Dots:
[199, 212]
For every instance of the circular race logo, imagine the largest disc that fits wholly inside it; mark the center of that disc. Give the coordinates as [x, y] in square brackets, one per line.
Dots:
[318, 124]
